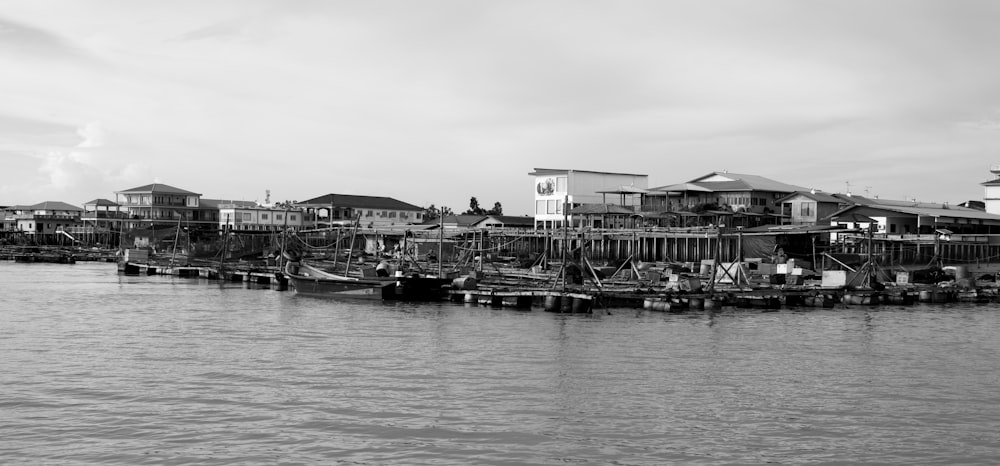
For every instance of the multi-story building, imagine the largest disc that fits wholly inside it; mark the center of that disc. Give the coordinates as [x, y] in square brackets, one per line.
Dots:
[234, 216]
[560, 189]
[992, 196]
[45, 220]
[732, 191]
[157, 205]
[810, 207]
[369, 211]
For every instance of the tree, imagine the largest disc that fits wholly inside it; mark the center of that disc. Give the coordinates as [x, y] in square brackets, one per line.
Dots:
[433, 213]
[285, 204]
[475, 209]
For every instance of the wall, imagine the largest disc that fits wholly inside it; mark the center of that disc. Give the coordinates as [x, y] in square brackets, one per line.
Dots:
[581, 187]
[992, 199]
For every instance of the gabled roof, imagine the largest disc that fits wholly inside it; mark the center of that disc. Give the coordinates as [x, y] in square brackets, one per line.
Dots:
[816, 196]
[360, 202]
[732, 182]
[157, 188]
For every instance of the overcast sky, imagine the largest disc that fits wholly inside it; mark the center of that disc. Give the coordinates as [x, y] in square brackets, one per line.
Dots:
[433, 102]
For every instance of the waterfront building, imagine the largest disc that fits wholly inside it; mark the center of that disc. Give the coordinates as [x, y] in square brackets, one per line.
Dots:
[505, 221]
[559, 191]
[900, 218]
[46, 221]
[158, 205]
[370, 211]
[102, 221]
[809, 207]
[250, 216]
[728, 191]
[991, 197]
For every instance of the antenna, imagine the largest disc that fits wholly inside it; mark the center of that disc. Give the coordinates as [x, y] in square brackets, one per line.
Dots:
[848, 183]
[867, 189]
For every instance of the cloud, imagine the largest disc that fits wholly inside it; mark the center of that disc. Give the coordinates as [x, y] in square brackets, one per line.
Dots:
[33, 43]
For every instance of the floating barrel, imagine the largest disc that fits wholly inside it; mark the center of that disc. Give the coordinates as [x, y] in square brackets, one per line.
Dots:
[696, 303]
[552, 303]
[661, 305]
[926, 296]
[464, 283]
[470, 297]
[647, 303]
[566, 304]
[581, 305]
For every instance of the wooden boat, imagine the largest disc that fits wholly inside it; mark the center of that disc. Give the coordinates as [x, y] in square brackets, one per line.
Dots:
[313, 281]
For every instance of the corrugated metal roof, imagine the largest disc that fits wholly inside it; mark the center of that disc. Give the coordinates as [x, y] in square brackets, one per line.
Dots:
[563, 171]
[921, 210]
[755, 182]
[600, 209]
[817, 196]
[622, 189]
[360, 202]
[681, 187]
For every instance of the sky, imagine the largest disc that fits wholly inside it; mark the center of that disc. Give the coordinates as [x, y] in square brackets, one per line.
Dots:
[438, 101]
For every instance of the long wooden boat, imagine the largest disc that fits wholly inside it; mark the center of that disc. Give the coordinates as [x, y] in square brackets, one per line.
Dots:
[313, 281]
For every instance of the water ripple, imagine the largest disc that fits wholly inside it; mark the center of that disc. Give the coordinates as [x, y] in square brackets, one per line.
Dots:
[103, 369]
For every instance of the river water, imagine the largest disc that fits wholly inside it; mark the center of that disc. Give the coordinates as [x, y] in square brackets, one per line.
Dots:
[97, 368]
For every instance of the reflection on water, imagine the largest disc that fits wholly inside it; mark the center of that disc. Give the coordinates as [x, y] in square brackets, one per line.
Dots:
[101, 368]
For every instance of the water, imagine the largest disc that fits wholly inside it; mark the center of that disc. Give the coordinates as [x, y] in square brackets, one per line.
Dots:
[97, 368]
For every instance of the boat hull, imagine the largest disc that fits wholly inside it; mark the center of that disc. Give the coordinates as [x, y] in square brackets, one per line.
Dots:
[325, 287]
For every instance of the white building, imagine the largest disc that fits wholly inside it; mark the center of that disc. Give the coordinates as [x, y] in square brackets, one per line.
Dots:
[556, 188]
[240, 217]
[992, 196]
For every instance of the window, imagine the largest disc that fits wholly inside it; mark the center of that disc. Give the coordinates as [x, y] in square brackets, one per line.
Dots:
[392, 215]
[369, 214]
[550, 207]
[263, 216]
[282, 216]
[293, 217]
[247, 216]
[807, 209]
[559, 206]
[892, 228]
[539, 207]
